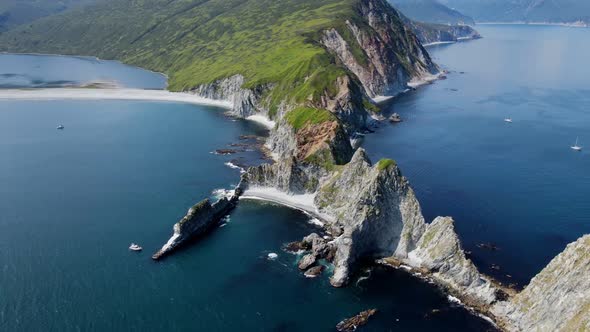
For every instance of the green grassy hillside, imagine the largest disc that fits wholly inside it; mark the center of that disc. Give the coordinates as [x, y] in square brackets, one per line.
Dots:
[194, 41]
[276, 45]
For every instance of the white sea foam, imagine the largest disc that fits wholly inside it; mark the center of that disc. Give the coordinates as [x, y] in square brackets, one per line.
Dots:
[263, 120]
[221, 193]
[316, 221]
[300, 202]
[424, 80]
[234, 166]
[170, 241]
[112, 94]
[405, 267]
[453, 299]
[379, 99]
[438, 43]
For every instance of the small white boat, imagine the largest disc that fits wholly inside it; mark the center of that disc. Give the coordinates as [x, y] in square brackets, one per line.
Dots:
[576, 147]
[60, 127]
[509, 120]
[272, 256]
[135, 247]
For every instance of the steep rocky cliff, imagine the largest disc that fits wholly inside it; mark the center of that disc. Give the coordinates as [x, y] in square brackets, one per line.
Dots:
[429, 33]
[387, 55]
[556, 299]
[375, 214]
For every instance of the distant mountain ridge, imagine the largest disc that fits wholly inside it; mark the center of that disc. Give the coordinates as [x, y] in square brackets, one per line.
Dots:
[17, 12]
[431, 11]
[538, 11]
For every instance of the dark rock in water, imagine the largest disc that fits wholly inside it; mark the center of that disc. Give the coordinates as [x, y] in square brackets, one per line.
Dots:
[200, 218]
[395, 118]
[351, 324]
[225, 151]
[314, 271]
[306, 261]
[488, 246]
[295, 246]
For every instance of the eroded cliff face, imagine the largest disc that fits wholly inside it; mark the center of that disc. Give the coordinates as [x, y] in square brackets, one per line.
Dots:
[439, 251]
[380, 56]
[245, 102]
[429, 33]
[375, 210]
[556, 299]
[381, 51]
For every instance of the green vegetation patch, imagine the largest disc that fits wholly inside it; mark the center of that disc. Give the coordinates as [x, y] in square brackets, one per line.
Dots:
[195, 41]
[302, 116]
[385, 164]
[370, 106]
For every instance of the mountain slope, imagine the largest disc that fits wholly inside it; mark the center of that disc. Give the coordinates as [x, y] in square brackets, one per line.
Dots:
[431, 11]
[554, 11]
[322, 59]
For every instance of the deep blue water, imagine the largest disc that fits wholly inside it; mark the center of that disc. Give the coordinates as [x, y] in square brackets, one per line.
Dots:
[45, 71]
[72, 201]
[518, 185]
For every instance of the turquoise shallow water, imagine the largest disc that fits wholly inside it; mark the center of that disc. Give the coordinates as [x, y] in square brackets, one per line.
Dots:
[518, 186]
[72, 201]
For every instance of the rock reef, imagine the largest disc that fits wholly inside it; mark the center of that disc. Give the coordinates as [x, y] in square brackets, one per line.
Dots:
[199, 219]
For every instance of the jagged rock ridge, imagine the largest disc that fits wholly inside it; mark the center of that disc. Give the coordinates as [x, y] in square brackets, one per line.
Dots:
[556, 299]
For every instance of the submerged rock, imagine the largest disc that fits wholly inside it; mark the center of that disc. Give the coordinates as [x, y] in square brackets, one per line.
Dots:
[295, 246]
[351, 324]
[395, 118]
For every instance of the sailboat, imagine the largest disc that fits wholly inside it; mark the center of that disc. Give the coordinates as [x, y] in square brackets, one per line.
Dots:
[576, 147]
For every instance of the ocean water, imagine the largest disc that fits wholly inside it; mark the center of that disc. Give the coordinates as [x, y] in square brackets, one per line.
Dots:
[516, 185]
[72, 201]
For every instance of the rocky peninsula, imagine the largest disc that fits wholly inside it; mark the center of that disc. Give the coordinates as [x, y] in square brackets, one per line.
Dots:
[315, 74]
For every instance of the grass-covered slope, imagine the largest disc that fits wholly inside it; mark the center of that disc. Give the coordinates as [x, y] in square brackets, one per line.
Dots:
[320, 59]
[194, 41]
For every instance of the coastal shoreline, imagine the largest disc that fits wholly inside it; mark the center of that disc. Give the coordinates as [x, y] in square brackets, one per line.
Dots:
[303, 203]
[109, 94]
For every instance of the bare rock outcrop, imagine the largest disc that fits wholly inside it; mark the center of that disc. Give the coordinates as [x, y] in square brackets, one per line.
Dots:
[199, 219]
[377, 210]
[556, 299]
